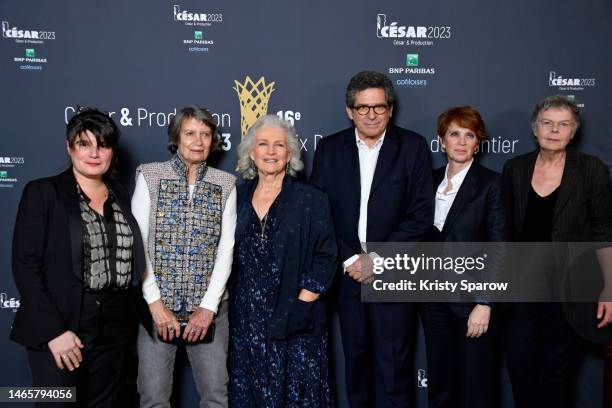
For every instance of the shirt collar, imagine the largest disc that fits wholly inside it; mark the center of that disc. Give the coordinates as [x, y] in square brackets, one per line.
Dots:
[361, 143]
[180, 167]
[457, 179]
[84, 197]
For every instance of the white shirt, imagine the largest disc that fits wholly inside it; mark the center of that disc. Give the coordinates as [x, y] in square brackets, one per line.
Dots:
[444, 202]
[368, 157]
[141, 207]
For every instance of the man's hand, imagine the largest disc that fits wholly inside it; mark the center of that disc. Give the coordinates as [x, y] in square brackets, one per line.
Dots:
[199, 321]
[362, 269]
[165, 321]
[66, 350]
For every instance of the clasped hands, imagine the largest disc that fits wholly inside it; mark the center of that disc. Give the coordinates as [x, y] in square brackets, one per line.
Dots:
[168, 326]
[362, 269]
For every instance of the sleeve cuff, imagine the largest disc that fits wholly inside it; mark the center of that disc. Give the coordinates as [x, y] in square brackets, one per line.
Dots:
[312, 285]
[349, 262]
[209, 304]
[152, 297]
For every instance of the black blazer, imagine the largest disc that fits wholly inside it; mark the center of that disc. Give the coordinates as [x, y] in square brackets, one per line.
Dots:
[477, 214]
[304, 247]
[400, 207]
[47, 260]
[582, 213]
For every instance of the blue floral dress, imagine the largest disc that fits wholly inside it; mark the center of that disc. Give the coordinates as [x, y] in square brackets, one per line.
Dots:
[269, 373]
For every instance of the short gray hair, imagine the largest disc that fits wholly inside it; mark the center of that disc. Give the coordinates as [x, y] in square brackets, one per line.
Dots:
[246, 166]
[556, 102]
[188, 112]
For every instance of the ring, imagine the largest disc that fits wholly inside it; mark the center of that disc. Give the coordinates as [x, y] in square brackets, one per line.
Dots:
[171, 328]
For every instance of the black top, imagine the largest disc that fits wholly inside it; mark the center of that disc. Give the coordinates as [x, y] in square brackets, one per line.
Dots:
[537, 226]
[107, 245]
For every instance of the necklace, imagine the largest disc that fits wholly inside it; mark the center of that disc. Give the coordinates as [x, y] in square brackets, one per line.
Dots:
[262, 222]
[257, 206]
[262, 225]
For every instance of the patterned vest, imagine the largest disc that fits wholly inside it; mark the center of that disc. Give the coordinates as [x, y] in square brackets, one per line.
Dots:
[184, 232]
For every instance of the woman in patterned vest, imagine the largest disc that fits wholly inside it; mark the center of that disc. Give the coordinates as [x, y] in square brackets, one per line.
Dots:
[186, 211]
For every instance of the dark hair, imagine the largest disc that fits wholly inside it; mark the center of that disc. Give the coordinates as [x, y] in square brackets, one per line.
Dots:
[556, 102]
[101, 125]
[465, 117]
[366, 80]
[188, 112]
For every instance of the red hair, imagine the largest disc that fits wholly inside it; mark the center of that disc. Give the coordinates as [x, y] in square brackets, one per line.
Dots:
[465, 117]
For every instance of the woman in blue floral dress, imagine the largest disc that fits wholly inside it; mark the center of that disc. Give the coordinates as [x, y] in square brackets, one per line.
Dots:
[284, 262]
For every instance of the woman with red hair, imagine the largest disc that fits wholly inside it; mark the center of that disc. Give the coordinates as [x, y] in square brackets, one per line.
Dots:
[461, 338]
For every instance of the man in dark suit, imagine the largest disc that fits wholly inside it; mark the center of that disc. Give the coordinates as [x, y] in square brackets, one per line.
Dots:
[378, 179]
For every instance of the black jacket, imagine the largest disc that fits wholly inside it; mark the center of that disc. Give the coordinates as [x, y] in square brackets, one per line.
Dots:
[582, 213]
[477, 215]
[304, 246]
[47, 260]
[400, 206]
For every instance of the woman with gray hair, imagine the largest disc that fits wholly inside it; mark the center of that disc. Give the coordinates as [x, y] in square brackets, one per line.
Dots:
[284, 264]
[555, 194]
[186, 211]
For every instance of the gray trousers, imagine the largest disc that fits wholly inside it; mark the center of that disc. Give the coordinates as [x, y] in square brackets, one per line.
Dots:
[208, 363]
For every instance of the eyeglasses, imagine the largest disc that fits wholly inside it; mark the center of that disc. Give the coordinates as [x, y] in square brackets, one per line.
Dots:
[365, 109]
[549, 124]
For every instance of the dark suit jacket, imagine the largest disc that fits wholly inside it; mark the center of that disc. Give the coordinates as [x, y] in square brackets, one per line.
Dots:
[305, 250]
[582, 213]
[477, 214]
[47, 259]
[400, 207]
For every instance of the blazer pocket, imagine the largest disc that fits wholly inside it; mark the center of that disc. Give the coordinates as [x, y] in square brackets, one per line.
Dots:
[300, 319]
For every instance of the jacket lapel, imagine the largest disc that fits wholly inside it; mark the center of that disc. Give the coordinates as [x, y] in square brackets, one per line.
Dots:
[69, 196]
[464, 195]
[522, 184]
[244, 198]
[351, 161]
[284, 203]
[568, 181]
[386, 158]
[279, 230]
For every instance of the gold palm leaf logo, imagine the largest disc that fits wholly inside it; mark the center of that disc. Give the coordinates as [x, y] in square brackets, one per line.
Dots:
[254, 98]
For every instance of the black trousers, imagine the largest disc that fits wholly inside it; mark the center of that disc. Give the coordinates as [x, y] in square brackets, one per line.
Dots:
[542, 352]
[378, 342]
[461, 371]
[108, 327]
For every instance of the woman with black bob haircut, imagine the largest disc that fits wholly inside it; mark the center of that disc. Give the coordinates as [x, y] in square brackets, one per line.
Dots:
[77, 262]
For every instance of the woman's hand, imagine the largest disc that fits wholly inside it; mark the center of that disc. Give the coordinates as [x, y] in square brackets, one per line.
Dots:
[66, 350]
[478, 322]
[165, 321]
[307, 296]
[198, 324]
[604, 313]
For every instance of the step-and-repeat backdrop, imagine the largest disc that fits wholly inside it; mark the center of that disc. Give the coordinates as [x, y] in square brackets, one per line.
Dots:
[141, 61]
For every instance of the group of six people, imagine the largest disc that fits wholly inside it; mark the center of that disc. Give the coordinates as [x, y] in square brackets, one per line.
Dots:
[244, 275]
